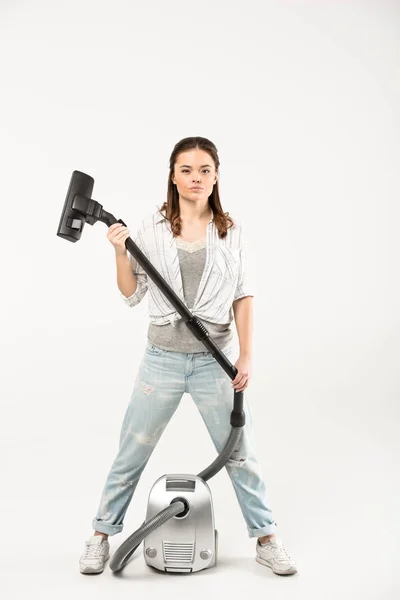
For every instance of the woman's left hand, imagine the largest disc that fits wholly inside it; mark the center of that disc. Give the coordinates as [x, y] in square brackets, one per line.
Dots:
[241, 381]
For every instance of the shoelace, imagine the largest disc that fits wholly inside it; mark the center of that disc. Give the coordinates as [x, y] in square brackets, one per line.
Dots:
[93, 550]
[280, 552]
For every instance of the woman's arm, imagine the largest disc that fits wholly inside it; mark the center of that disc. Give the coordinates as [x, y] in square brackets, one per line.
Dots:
[243, 313]
[126, 279]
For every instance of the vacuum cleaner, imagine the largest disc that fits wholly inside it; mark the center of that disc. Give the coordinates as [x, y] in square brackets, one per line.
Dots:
[179, 530]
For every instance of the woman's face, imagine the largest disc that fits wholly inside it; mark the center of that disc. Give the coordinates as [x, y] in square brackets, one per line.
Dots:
[194, 168]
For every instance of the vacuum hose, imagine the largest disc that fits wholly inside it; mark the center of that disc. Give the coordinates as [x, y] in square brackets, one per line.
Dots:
[128, 547]
[222, 458]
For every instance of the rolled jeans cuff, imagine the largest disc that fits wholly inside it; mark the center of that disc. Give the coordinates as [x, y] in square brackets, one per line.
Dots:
[267, 530]
[107, 528]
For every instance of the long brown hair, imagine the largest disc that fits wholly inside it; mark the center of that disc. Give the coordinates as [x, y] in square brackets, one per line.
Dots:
[221, 219]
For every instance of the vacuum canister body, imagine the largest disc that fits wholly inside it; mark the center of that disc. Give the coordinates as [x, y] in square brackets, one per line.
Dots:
[188, 541]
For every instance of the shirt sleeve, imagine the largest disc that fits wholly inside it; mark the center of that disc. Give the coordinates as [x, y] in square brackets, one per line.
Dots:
[245, 286]
[141, 276]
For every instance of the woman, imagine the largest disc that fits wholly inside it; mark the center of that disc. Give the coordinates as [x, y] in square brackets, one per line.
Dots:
[200, 252]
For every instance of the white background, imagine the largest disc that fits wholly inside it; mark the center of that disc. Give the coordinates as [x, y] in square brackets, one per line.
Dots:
[302, 101]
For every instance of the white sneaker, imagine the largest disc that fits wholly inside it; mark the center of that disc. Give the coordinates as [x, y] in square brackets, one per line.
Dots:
[97, 551]
[273, 555]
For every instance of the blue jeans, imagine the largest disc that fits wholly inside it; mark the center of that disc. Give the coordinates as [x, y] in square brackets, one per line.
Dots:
[163, 377]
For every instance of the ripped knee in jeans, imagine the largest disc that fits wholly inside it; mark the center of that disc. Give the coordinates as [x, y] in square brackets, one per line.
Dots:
[236, 459]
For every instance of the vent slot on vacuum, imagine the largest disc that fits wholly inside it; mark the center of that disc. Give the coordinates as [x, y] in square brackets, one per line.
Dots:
[174, 552]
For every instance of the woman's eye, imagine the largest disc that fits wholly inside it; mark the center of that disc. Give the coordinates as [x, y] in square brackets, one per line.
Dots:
[187, 170]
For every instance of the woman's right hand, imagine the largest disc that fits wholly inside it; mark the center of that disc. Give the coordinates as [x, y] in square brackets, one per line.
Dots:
[117, 234]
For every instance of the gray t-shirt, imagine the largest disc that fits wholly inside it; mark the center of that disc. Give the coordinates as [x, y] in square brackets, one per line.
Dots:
[192, 258]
